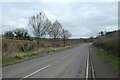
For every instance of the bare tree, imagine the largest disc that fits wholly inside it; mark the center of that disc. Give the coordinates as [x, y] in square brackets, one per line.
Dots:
[40, 25]
[65, 35]
[55, 30]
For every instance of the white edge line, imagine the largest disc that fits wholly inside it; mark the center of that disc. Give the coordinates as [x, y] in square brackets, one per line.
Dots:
[37, 71]
[87, 67]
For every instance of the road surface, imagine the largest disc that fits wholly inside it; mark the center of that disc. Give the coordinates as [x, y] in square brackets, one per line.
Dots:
[73, 63]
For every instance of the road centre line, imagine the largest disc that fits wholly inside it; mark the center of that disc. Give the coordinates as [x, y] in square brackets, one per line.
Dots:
[36, 71]
[42, 68]
[64, 57]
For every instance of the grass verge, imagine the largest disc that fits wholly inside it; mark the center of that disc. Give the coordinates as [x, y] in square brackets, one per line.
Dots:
[9, 60]
[111, 60]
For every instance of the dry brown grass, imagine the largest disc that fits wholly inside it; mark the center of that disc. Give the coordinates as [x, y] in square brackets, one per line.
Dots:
[12, 47]
[109, 44]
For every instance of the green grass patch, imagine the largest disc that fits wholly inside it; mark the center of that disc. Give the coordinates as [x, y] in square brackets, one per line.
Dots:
[111, 60]
[9, 60]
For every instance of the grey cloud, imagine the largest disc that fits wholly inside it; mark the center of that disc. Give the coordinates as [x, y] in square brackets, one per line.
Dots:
[82, 19]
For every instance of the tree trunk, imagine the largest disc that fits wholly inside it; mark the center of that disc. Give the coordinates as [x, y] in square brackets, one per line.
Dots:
[54, 39]
[64, 42]
[38, 42]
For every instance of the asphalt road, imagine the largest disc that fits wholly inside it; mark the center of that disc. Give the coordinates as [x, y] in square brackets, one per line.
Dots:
[73, 63]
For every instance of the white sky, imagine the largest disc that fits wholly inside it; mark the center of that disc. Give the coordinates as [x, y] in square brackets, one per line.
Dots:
[82, 19]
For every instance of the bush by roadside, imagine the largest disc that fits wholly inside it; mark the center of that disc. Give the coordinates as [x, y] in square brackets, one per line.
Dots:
[11, 47]
[109, 43]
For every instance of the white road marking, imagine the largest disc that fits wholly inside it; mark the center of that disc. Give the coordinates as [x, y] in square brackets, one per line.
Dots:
[64, 57]
[36, 71]
[42, 68]
[61, 58]
[87, 67]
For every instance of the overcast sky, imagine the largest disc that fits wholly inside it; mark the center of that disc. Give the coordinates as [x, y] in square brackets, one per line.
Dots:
[82, 19]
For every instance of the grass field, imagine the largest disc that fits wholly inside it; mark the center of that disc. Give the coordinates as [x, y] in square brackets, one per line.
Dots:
[111, 60]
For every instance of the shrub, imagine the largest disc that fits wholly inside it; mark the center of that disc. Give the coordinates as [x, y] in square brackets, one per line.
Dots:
[25, 47]
[11, 47]
[108, 44]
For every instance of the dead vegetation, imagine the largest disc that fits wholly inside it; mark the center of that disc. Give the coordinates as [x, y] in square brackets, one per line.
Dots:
[109, 43]
[12, 47]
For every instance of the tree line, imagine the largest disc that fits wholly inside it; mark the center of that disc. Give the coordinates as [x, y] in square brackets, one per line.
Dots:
[18, 34]
[41, 26]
